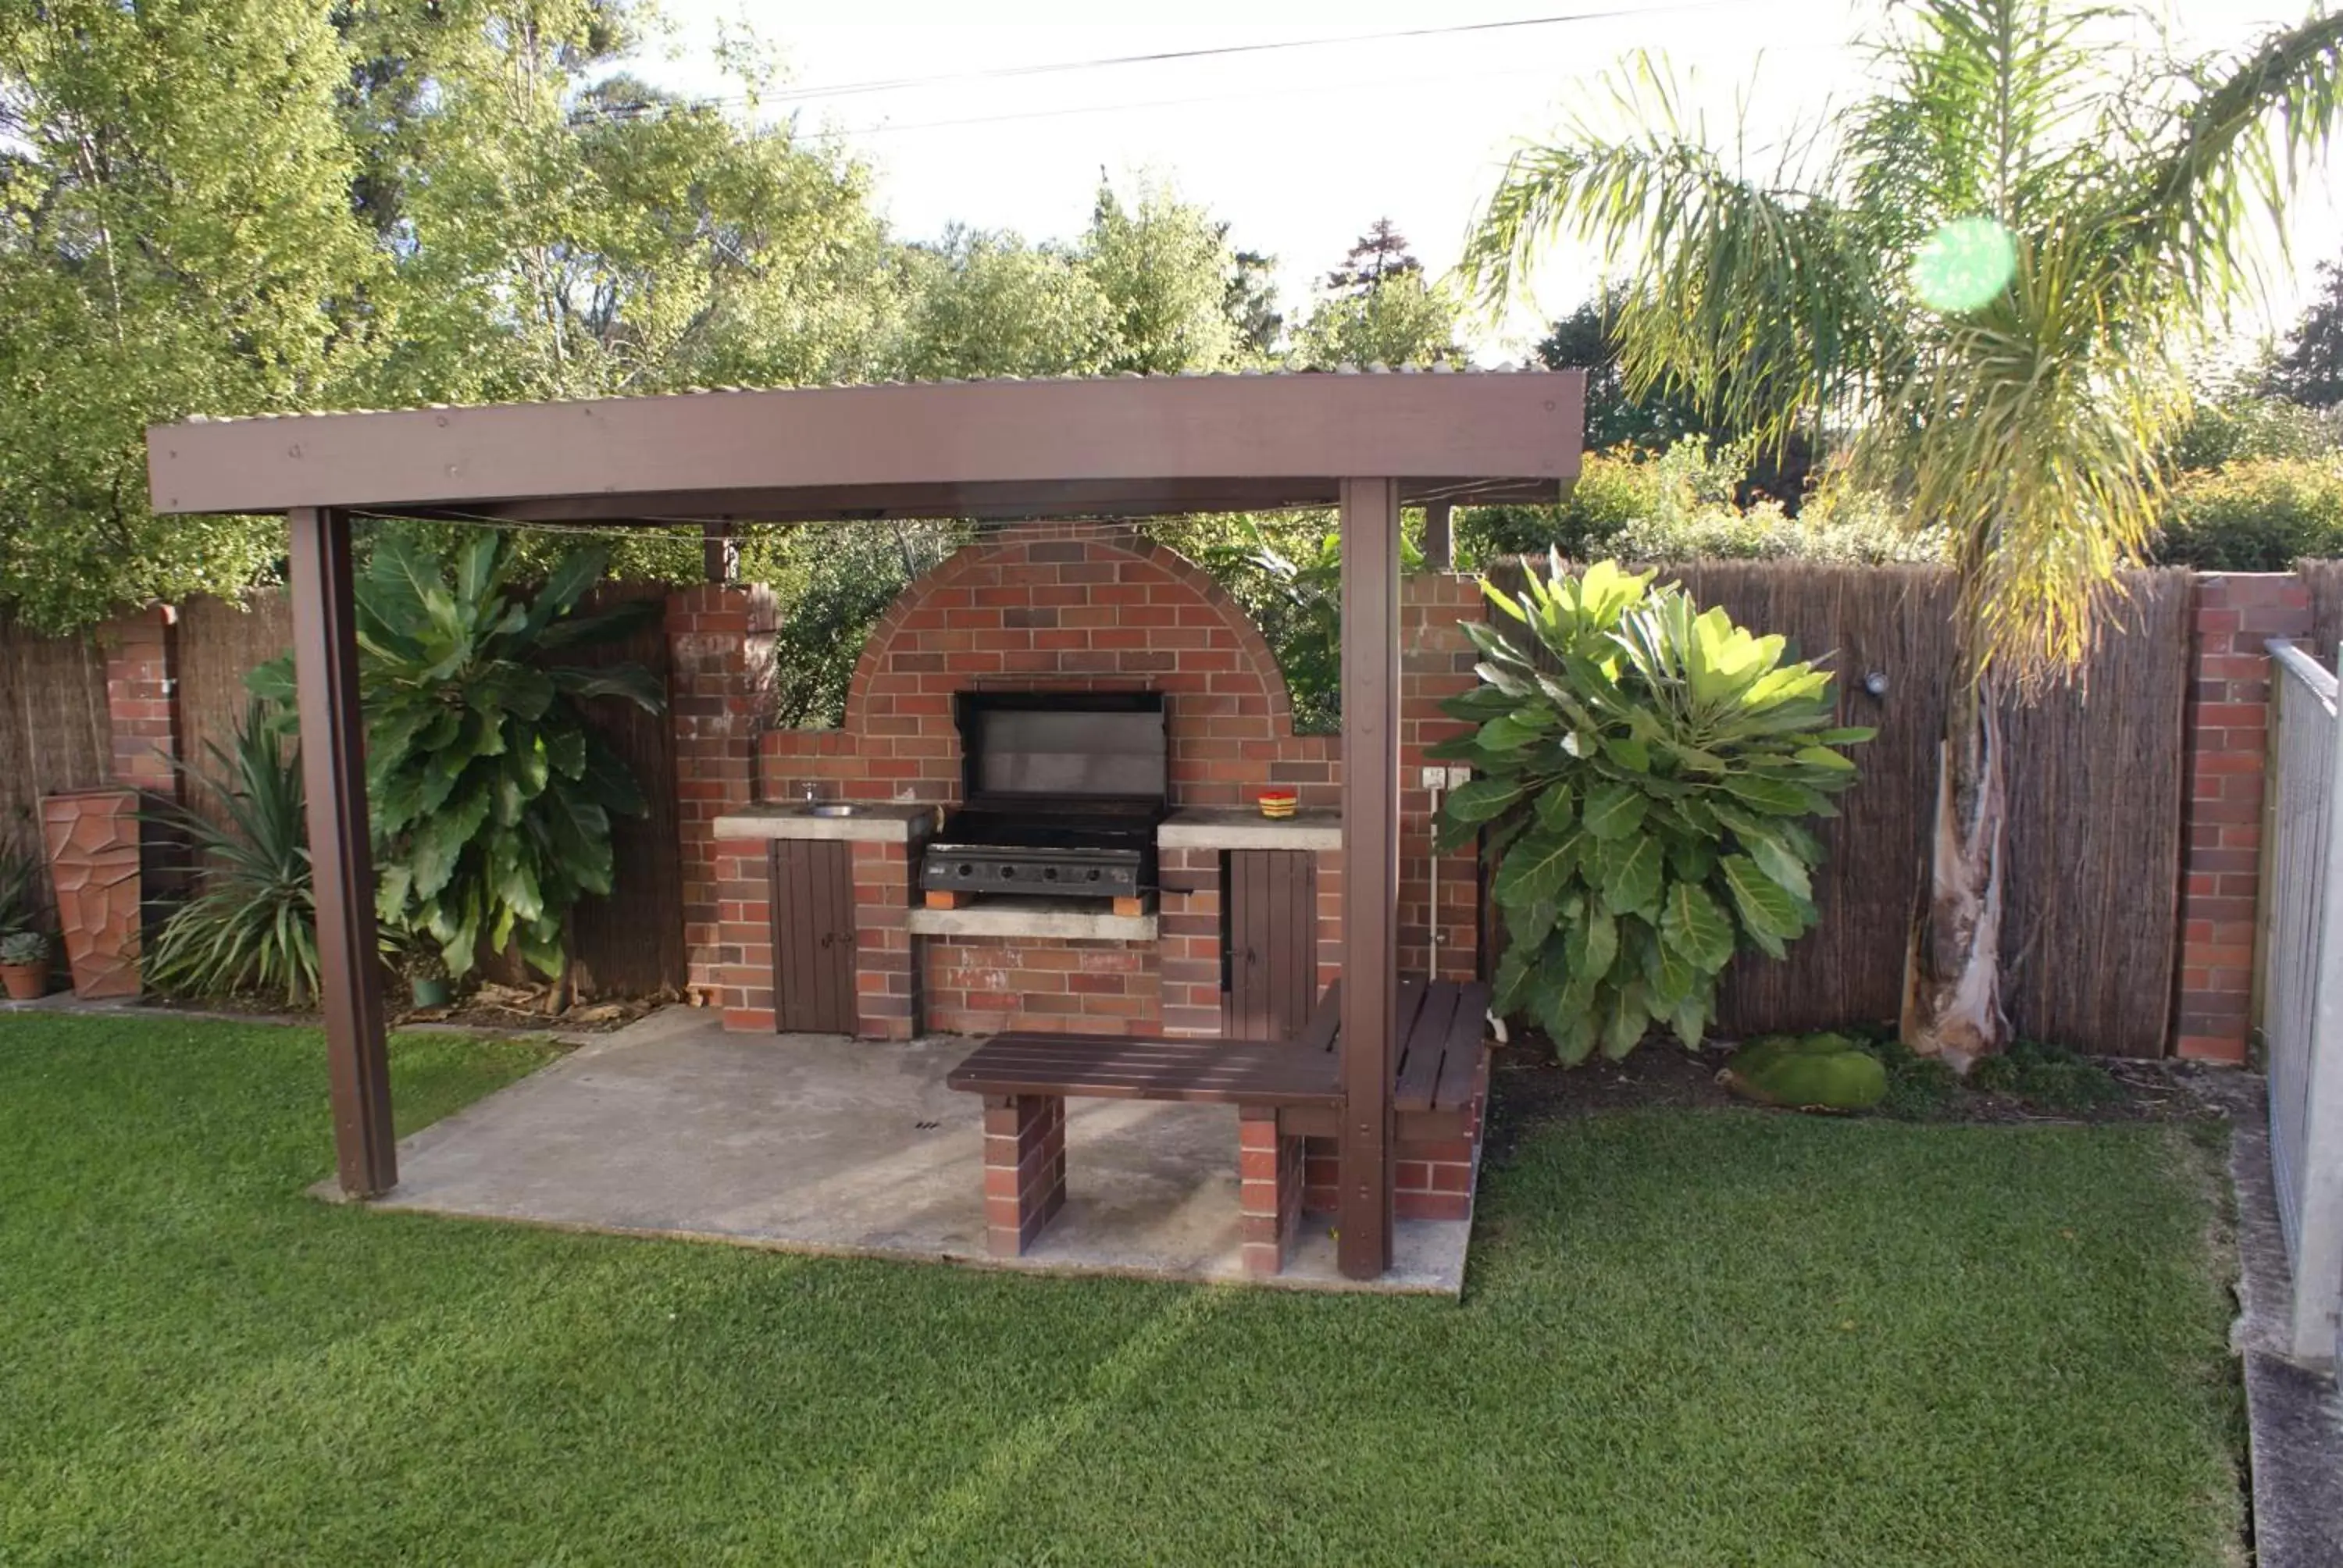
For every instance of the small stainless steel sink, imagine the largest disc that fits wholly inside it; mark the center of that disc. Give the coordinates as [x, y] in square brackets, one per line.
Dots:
[836, 808]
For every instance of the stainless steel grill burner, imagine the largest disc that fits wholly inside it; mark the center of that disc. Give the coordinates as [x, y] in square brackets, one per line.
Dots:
[1064, 791]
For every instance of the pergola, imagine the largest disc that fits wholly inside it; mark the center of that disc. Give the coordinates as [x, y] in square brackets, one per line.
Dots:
[1368, 443]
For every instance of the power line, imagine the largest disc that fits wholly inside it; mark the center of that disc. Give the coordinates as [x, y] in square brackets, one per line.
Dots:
[899, 83]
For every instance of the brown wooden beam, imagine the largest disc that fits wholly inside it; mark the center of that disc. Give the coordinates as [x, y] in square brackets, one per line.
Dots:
[1370, 532]
[1269, 435]
[333, 766]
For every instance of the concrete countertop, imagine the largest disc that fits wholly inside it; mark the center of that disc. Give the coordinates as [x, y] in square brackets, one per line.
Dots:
[873, 822]
[1242, 827]
[1019, 917]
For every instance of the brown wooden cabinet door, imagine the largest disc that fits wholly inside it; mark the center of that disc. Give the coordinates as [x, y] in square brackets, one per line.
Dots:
[1273, 942]
[814, 937]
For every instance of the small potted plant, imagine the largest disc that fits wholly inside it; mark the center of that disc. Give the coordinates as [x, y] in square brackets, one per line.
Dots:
[416, 959]
[25, 965]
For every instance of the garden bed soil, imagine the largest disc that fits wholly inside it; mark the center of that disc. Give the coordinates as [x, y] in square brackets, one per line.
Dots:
[1530, 1090]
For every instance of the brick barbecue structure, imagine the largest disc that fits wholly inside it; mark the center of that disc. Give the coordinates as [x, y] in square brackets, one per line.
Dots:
[1366, 445]
[1056, 607]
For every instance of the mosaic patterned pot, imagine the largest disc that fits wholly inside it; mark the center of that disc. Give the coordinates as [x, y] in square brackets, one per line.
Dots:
[92, 837]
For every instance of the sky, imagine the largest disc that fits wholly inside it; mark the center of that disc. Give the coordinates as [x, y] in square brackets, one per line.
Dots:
[1299, 149]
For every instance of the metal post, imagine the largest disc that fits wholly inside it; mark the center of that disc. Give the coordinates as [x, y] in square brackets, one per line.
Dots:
[2319, 1251]
[333, 766]
[1369, 536]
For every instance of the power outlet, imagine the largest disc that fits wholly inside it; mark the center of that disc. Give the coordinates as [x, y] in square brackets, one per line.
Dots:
[1459, 777]
[1432, 779]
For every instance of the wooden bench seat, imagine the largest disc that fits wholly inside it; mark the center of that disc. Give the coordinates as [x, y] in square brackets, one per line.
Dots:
[1283, 1091]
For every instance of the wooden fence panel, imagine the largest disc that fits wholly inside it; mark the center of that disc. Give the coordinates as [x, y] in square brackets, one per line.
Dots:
[220, 641]
[631, 943]
[2090, 927]
[54, 733]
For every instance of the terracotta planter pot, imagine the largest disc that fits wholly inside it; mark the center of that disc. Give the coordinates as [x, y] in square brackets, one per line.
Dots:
[94, 857]
[26, 982]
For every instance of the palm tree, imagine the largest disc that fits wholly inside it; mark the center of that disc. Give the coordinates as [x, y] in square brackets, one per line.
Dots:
[1979, 284]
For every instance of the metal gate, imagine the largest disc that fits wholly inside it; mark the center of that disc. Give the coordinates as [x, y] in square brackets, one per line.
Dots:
[2301, 990]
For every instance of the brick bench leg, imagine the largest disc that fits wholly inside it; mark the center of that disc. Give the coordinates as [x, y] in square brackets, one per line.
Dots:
[1269, 1172]
[1024, 1168]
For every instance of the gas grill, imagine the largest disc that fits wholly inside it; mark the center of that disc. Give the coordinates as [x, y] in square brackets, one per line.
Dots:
[1064, 791]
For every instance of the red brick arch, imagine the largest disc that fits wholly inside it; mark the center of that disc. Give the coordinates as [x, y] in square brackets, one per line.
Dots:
[1059, 607]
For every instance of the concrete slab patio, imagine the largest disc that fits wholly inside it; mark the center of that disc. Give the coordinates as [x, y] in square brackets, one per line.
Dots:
[815, 1144]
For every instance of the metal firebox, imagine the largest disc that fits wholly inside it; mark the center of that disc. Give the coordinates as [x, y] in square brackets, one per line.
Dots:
[1064, 791]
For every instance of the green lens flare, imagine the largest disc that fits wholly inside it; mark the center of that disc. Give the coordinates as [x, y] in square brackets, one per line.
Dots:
[1965, 264]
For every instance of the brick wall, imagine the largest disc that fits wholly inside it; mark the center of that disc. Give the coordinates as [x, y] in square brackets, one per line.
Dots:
[140, 698]
[719, 681]
[2228, 736]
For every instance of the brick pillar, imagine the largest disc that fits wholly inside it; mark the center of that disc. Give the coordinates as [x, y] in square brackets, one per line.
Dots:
[142, 705]
[887, 1003]
[1269, 1173]
[719, 683]
[1436, 662]
[1024, 1168]
[1189, 927]
[2228, 738]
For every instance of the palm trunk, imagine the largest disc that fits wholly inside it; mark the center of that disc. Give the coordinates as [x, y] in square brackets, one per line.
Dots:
[1952, 971]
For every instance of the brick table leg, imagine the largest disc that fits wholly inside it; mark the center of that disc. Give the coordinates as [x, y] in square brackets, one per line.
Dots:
[1024, 1168]
[1268, 1175]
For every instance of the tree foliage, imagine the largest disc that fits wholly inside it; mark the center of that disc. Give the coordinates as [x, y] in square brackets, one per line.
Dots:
[2310, 371]
[1646, 769]
[2028, 425]
[175, 236]
[1378, 308]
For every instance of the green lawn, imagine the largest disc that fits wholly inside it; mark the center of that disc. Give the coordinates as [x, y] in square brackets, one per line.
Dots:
[1689, 1338]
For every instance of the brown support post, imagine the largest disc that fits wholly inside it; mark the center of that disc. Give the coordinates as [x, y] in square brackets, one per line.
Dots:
[333, 766]
[1370, 535]
[1439, 535]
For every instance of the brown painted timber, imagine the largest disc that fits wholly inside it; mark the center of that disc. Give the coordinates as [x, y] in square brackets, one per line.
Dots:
[1370, 529]
[991, 449]
[1228, 1073]
[332, 764]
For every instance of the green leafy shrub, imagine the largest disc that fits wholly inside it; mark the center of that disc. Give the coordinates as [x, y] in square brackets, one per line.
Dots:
[252, 926]
[491, 797]
[1290, 585]
[834, 582]
[2232, 426]
[1807, 1072]
[1645, 770]
[2258, 515]
[1680, 507]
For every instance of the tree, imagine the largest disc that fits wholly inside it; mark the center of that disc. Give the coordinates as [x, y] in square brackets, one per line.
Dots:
[561, 230]
[1588, 339]
[2310, 371]
[176, 238]
[1249, 301]
[987, 304]
[1982, 282]
[1379, 256]
[1162, 265]
[1378, 310]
